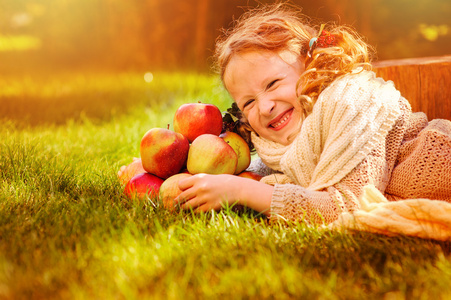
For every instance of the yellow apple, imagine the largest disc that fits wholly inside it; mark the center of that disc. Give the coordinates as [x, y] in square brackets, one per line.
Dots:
[169, 190]
[241, 148]
[210, 154]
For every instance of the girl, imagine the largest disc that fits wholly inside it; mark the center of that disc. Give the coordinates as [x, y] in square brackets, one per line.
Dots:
[322, 124]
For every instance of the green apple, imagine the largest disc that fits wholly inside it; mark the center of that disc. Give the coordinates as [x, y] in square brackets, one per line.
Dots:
[241, 148]
[195, 119]
[163, 152]
[210, 154]
[143, 185]
[169, 190]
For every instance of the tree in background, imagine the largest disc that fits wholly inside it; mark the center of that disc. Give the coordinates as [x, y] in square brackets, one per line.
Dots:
[173, 34]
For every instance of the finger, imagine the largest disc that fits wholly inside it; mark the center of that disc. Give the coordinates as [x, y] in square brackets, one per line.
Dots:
[188, 182]
[204, 208]
[191, 204]
[184, 196]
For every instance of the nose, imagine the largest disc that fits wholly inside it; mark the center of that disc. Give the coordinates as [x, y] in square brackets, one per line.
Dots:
[265, 104]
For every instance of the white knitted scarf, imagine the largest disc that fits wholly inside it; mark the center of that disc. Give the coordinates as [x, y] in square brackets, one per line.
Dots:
[349, 117]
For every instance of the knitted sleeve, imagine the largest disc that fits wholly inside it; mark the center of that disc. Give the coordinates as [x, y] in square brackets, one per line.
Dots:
[294, 202]
[423, 166]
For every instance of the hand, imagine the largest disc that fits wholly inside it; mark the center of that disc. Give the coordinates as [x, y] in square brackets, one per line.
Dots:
[204, 192]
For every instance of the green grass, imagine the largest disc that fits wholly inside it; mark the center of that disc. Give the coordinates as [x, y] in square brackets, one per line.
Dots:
[68, 232]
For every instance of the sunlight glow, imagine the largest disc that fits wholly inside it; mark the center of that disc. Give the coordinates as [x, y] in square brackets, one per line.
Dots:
[21, 20]
[148, 77]
[19, 42]
[432, 32]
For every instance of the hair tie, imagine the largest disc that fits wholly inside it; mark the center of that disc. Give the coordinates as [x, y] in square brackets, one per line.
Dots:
[311, 43]
[324, 39]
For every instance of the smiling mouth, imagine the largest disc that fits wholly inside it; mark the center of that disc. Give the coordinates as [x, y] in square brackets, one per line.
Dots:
[280, 122]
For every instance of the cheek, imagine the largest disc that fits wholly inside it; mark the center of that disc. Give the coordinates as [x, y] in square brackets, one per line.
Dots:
[252, 118]
[290, 93]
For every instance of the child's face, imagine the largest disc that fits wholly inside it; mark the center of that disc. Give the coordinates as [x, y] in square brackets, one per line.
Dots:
[263, 84]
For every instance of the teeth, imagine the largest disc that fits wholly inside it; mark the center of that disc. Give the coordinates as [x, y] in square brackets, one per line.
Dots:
[275, 125]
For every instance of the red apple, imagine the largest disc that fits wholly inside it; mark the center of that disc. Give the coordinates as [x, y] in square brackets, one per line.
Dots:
[169, 190]
[241, 148]
[212, 155]
[134, 168]
[250, 175]
[195, 119]
[163, 152]
[142, 185]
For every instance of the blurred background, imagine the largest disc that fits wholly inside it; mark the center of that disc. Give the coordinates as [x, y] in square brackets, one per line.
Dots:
[118, 35]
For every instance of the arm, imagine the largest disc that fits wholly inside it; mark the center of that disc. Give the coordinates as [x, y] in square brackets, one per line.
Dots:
[293, 202]
[287, 201]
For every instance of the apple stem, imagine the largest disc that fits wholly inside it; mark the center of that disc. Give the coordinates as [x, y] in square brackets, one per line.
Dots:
[168, 126]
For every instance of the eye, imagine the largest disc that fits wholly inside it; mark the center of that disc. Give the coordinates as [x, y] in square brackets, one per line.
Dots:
[248, 102]
[271, 84]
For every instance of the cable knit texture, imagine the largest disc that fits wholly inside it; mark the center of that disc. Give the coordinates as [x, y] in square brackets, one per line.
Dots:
[421, 177]
[360, 133]
[423, 168]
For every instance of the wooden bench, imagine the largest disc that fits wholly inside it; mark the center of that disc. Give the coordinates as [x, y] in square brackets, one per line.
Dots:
[424, 82]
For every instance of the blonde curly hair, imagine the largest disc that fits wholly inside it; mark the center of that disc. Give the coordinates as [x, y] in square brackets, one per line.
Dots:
[280, 27]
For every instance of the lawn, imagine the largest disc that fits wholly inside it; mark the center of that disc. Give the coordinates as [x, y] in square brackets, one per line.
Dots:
[68, 232]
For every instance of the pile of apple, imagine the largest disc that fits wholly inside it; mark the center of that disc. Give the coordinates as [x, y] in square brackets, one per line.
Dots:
[197, 144]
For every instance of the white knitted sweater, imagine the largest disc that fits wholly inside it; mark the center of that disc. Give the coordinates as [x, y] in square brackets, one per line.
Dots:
[351, 139]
